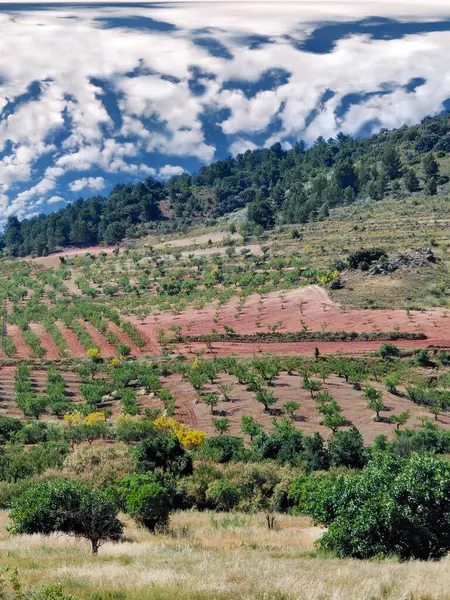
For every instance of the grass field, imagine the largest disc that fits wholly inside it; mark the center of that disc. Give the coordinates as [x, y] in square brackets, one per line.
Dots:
[209, 556]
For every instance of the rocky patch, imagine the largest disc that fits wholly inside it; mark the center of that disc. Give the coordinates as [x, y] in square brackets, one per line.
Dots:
[411, 258]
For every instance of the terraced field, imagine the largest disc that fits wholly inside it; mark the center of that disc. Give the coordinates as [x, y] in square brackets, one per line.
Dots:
[213, 294]
[191, 409]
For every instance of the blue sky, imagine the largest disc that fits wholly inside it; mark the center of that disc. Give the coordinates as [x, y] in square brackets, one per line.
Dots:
[92, 94]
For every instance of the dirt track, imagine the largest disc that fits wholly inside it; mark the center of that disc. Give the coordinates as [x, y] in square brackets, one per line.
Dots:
[53, 259]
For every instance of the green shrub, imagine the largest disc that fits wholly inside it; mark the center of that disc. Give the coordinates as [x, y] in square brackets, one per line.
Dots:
[395, 506]
[346, 449]
[388, 351]
[148, 498]
[123, 349]
[360, 257]
[223, 448]
[223, 494]
[163, 451]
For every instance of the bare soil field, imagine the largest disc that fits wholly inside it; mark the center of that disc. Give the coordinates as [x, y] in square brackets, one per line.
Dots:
[192, 412]
[46, 340]
[76, 349]
[23, 351]
[353, 348]
[53, 259]
[203, 238]
[309, 308]
[8, 406]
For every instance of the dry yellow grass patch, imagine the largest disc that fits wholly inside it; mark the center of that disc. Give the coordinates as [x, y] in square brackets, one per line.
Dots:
[210, 556]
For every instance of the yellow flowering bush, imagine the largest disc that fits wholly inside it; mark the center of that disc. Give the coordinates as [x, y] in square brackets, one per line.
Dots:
[193, 438]
[76, 418]
[95, 418]
[94, 353]
[329, 277]
[190, 438]
[73, 418]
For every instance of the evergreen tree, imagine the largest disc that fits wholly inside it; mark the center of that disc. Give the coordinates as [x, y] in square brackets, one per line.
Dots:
[431, 186]
[392, 165]
[430, 166]
[261, 212]
[411, 181]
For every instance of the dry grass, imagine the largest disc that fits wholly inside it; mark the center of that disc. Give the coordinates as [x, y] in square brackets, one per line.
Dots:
[209, 556]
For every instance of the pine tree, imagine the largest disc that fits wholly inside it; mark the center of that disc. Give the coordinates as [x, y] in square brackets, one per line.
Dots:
[411, 181]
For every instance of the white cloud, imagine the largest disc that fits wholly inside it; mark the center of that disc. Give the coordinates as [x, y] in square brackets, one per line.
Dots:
[252, 115]
[173, 105]
[240, 146]
[170, 170]
[55, 200]
[161, 114]
[20, 204]
[93, 183]
[4, 201]
[33, 121]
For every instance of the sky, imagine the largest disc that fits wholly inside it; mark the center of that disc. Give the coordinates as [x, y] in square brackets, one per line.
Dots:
[93, 94]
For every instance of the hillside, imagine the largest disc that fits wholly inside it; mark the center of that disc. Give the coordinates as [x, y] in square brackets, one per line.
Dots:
[215, 377]
[279, 187]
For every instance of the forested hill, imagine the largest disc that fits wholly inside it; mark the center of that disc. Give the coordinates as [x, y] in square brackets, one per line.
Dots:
[279, 186]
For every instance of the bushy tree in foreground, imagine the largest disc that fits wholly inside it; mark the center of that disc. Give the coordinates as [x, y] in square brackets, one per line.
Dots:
[395, 506]
[67, 507]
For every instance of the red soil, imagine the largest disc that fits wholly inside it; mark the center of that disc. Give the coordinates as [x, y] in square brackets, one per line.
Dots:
[46, 341]
[38, 379]
[192, 412]
[73, 344]
[135, 350]
[148, 334]
[23, 350]
[106, 348]
[296, 348]
[308, 307]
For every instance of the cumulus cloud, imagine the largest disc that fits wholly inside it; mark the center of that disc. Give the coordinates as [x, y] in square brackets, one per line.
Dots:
[240, 146]
[55, 200]
[169, 171]
[109, 98]
[20, 204]
[92, 183]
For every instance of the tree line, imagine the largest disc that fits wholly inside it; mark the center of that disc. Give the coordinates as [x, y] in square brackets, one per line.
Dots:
[277, 185]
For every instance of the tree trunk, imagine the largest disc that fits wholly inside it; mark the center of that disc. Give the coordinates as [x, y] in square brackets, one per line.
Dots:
[95, 546]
